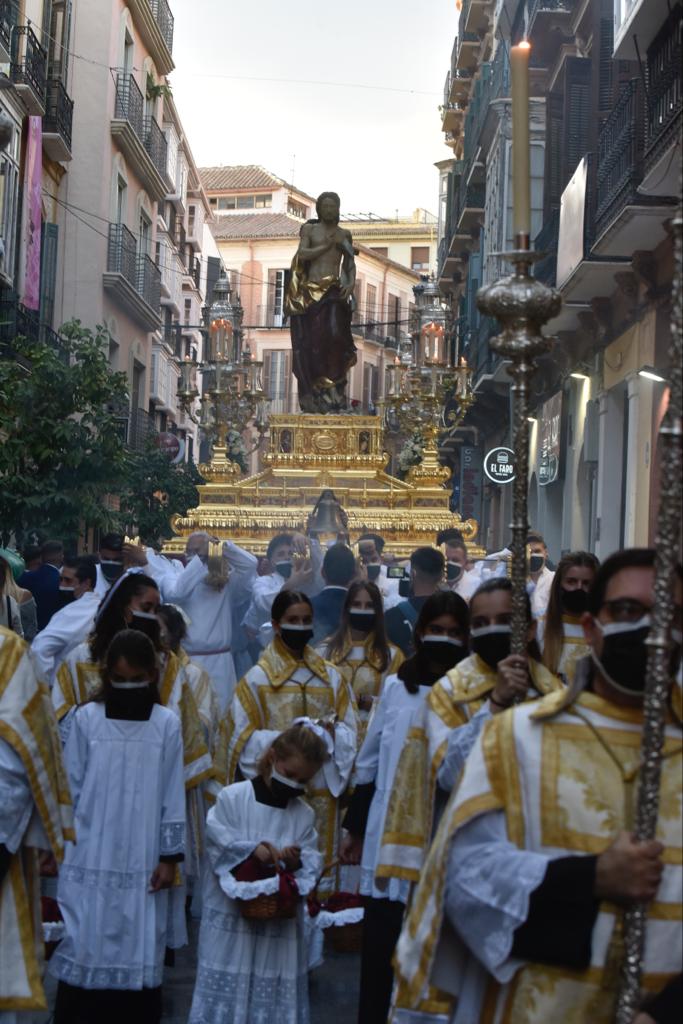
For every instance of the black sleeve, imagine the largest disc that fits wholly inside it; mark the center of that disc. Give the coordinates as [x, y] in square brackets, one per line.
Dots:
[667, 1005]
[356, 817]
[562, 913]
[5, 858]
[172, 858]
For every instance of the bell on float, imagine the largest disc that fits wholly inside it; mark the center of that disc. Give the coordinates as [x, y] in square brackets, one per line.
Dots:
[327, 518]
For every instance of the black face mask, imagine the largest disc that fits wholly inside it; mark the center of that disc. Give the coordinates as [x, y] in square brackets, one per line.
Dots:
[443, 651]
[373, 570]
[364, 622]
[623, 661]
[453, 571]
[575, 602]
[284, 568]
[536, 563]
[66, 596]
[491, 643]
[296, 637]
[284, 789]
[111, 570]
[131, 702]
[148, 624]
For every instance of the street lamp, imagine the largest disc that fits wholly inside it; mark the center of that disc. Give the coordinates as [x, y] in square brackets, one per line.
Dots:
[233, 398]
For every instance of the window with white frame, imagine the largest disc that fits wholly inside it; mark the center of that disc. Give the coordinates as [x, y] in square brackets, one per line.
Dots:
[9, 203]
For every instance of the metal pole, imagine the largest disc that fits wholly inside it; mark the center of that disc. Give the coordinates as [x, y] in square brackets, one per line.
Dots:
[522, 305]
[658, 677]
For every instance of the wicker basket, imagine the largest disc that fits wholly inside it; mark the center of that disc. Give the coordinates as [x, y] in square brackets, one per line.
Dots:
[265, 908]
[347, 938]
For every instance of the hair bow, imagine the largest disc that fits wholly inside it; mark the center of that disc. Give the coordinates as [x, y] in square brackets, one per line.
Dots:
[323, 734]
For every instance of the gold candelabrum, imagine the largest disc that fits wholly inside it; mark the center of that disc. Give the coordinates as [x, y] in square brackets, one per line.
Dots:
[428, 389]
[522, 305]
[233, 400]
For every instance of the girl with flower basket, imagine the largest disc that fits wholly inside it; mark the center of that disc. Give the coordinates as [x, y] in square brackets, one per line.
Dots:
[263, 856]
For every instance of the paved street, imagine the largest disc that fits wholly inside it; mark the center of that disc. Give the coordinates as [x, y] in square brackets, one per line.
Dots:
[333, 987]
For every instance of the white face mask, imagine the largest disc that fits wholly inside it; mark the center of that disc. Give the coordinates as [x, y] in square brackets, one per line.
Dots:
[433, 639]
[284, 781]
[490, 631]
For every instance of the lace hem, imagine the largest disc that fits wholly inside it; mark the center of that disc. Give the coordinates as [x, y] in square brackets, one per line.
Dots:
[172, 838]
[234, 924]
[85, 976]
[352, 915]
[217, 993]
[99, 878]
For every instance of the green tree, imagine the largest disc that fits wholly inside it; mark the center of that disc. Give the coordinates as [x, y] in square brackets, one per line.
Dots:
[61, 448]
[154, 491]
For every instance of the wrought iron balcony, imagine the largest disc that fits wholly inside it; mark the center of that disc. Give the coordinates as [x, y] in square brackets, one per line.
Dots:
[134, 279]
[664, 90]
[9, 16]
[57, 121]
[164, 19]
[139, 136]
[155, 144]
[17, 321]
[28, 69]
[140, 429]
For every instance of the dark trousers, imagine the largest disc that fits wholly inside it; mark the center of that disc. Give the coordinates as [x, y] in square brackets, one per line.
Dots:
[107, 1006]
[381, 929]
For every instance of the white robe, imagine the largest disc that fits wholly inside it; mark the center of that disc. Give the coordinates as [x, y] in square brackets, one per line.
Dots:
[127, 785]
[209, 633]
[66, 629]
[252, 972]
[377, 762]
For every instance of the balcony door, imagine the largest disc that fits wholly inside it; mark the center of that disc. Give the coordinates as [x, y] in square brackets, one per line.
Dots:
[277, 366]
[276, 298]
[144, 234]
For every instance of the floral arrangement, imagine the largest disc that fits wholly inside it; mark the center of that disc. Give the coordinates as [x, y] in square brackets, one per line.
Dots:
[411, 453]
[236, 449]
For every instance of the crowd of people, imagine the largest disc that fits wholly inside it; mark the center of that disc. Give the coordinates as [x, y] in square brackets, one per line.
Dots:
[241, 738]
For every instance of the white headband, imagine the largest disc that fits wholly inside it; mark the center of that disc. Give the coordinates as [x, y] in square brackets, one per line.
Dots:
[323, 734]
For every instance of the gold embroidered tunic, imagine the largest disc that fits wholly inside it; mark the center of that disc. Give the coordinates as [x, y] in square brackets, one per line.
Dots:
[36, 814]
[361, 667]
[278, 689]
[451, 703]
[563, 772]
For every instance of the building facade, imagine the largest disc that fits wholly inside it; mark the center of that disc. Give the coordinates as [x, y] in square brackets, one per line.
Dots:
[605, 160]
[257, 246]
[122, 213]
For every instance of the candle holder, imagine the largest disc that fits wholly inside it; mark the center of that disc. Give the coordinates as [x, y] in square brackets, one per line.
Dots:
[522, 305]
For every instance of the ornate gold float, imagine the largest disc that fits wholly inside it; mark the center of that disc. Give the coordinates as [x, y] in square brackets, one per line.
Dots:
[306, 454]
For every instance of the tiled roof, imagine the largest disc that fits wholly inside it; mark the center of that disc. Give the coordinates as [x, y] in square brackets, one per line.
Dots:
[256, 225]
[243, 176]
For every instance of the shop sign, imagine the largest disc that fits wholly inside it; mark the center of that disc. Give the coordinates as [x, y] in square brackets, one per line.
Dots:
[549, 438]
[499, 465]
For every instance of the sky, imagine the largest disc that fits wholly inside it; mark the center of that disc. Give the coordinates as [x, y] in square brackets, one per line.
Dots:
[247, 85]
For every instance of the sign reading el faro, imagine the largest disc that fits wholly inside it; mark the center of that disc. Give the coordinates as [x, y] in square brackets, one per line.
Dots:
[499, 465]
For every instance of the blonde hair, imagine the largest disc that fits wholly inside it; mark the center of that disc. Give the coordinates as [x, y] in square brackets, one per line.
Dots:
[7, 581]
[298, 739]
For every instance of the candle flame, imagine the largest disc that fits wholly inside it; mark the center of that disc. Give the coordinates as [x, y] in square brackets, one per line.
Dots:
[524, 45]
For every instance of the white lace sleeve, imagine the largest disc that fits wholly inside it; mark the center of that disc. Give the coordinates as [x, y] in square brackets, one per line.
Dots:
[488, 885]
[172, 829]
[460, 743]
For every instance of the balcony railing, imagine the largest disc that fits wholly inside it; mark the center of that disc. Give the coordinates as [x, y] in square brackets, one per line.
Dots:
[664, 88]
[155, 144]
[550, 6]
[29, 61]
[130, 103]
[149, 281]
[140, 429]
[9, 16]
[140, 271]
[17, 321]
[164, 19]
[620, 156]
[58, 111]
[122, 253]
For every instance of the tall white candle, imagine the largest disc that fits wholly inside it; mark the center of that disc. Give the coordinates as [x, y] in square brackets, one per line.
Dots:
[521, 172]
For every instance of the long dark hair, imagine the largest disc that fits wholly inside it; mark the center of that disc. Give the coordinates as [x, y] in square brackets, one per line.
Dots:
[444, 602]
[112, 619]
[554, 632]
[380, 645]
[176, 627]
[504, 583]
[284, 600]
[138, 650]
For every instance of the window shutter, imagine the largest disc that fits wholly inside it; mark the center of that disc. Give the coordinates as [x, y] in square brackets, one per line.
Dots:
[553, 155]
[577, 107]
[48, 273]
[270, 298]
